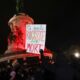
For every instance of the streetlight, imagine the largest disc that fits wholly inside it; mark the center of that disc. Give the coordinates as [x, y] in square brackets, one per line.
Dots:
[77, 54]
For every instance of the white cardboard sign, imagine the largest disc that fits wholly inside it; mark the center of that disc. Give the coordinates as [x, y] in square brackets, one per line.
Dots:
[35, 37]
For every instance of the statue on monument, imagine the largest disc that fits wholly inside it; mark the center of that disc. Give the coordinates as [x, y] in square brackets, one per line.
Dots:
[16, 39]
[17, 36]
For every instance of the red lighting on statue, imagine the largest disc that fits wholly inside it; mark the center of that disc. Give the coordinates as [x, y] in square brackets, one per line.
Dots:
[17, 37]
[17, 23]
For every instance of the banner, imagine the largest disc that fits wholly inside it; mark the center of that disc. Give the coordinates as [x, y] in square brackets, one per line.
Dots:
[35, 37]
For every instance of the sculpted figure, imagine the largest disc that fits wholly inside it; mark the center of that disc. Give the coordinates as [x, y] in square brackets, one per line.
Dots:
[16, 39]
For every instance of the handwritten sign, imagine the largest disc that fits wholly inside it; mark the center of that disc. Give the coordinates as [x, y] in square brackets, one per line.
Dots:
[35, 37]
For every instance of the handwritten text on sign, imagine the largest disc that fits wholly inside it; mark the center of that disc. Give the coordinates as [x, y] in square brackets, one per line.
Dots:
[35, 37]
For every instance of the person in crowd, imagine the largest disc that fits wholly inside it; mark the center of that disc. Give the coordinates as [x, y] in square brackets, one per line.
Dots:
[13, 74]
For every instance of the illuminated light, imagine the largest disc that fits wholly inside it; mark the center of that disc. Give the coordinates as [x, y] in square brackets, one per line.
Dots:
[77, 54]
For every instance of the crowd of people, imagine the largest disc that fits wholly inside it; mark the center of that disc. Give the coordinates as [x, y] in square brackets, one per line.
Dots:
[32, 69]
[35, 69]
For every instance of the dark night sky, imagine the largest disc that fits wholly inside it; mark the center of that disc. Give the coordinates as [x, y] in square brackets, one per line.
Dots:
[61, 16]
